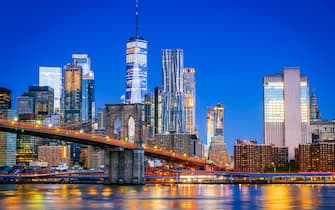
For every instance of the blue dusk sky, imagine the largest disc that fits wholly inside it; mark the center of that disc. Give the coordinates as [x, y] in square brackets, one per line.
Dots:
[231, 44]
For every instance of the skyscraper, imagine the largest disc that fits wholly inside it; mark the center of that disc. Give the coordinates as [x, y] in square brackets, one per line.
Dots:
[286, 109]
[43, 100]
[190, 93]
[218, 113]
[32, 107]
[5, 98]
[173, 91]
[88, 87]
[26, 145]
[136, 65]
[25, 105]
[52, 77]
[72, 93]
[38, 102]
[73, 99]
[215, 122]
[7, 140]
[216, 147]
[315, 111]
[82, 60]
[210, 126]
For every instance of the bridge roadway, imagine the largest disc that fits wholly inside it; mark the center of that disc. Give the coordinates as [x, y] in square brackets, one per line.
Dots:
[13, 126]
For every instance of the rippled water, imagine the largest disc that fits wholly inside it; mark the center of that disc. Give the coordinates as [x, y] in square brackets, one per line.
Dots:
[183, 196]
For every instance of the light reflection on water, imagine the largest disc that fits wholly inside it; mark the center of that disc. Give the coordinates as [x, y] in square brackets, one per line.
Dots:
[184, 196]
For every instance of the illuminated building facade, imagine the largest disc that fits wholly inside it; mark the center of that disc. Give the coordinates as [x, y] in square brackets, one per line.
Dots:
[72, 93]
[286, 109]
[218, 113]
[7, 140]
[88, 87]
[73, 103]
[184, 143]
[323, 130]
[173, 115]
[210, 126]
[317, 157]
[26, 145]
[136, 66]
[5, 98]
[43, 99]
[215, 128]
[52, 77]
[54, 154]
[25, 105]
[189, 100]
[252, 157]
[33, 107]
[216, 149]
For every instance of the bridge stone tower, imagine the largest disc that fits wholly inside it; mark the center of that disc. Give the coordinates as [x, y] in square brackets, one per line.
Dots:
[125, 166]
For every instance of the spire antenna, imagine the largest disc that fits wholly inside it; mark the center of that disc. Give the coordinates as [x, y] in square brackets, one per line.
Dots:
[136, 18]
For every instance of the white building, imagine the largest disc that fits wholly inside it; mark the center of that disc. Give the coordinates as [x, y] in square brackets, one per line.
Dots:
[52, 77]
[286, 110]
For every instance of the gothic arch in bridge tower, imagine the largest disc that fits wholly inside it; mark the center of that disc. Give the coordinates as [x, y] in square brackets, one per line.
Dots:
[131, 129]
[116, 128]
[131, 121]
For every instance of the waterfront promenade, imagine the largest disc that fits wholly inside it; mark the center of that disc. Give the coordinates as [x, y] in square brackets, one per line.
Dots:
[178, 177]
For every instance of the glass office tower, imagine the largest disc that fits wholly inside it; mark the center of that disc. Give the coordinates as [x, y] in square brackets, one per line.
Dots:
[72, 93]
[173, 91]
[82, 60]
[136, 76]
[286, 109]
[190, 93]
[52, 77]
[7, 140]
[26, 145]
[88, 87]
[43, 99]
[216, 149]
[215, 126]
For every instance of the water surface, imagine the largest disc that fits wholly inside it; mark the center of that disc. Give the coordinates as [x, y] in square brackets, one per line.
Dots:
[181, 196]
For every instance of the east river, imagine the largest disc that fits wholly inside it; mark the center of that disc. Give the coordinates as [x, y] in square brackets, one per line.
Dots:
[181, 196]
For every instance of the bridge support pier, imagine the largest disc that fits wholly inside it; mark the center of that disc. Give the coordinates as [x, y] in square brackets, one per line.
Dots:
[124, 166]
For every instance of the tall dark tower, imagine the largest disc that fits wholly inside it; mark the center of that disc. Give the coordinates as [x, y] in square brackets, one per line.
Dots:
[136, 66]
[315, 111]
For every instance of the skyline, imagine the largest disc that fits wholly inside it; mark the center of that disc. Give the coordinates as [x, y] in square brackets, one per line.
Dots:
[253, 40]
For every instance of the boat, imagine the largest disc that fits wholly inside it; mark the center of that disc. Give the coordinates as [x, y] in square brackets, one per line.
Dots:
[62, 167]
